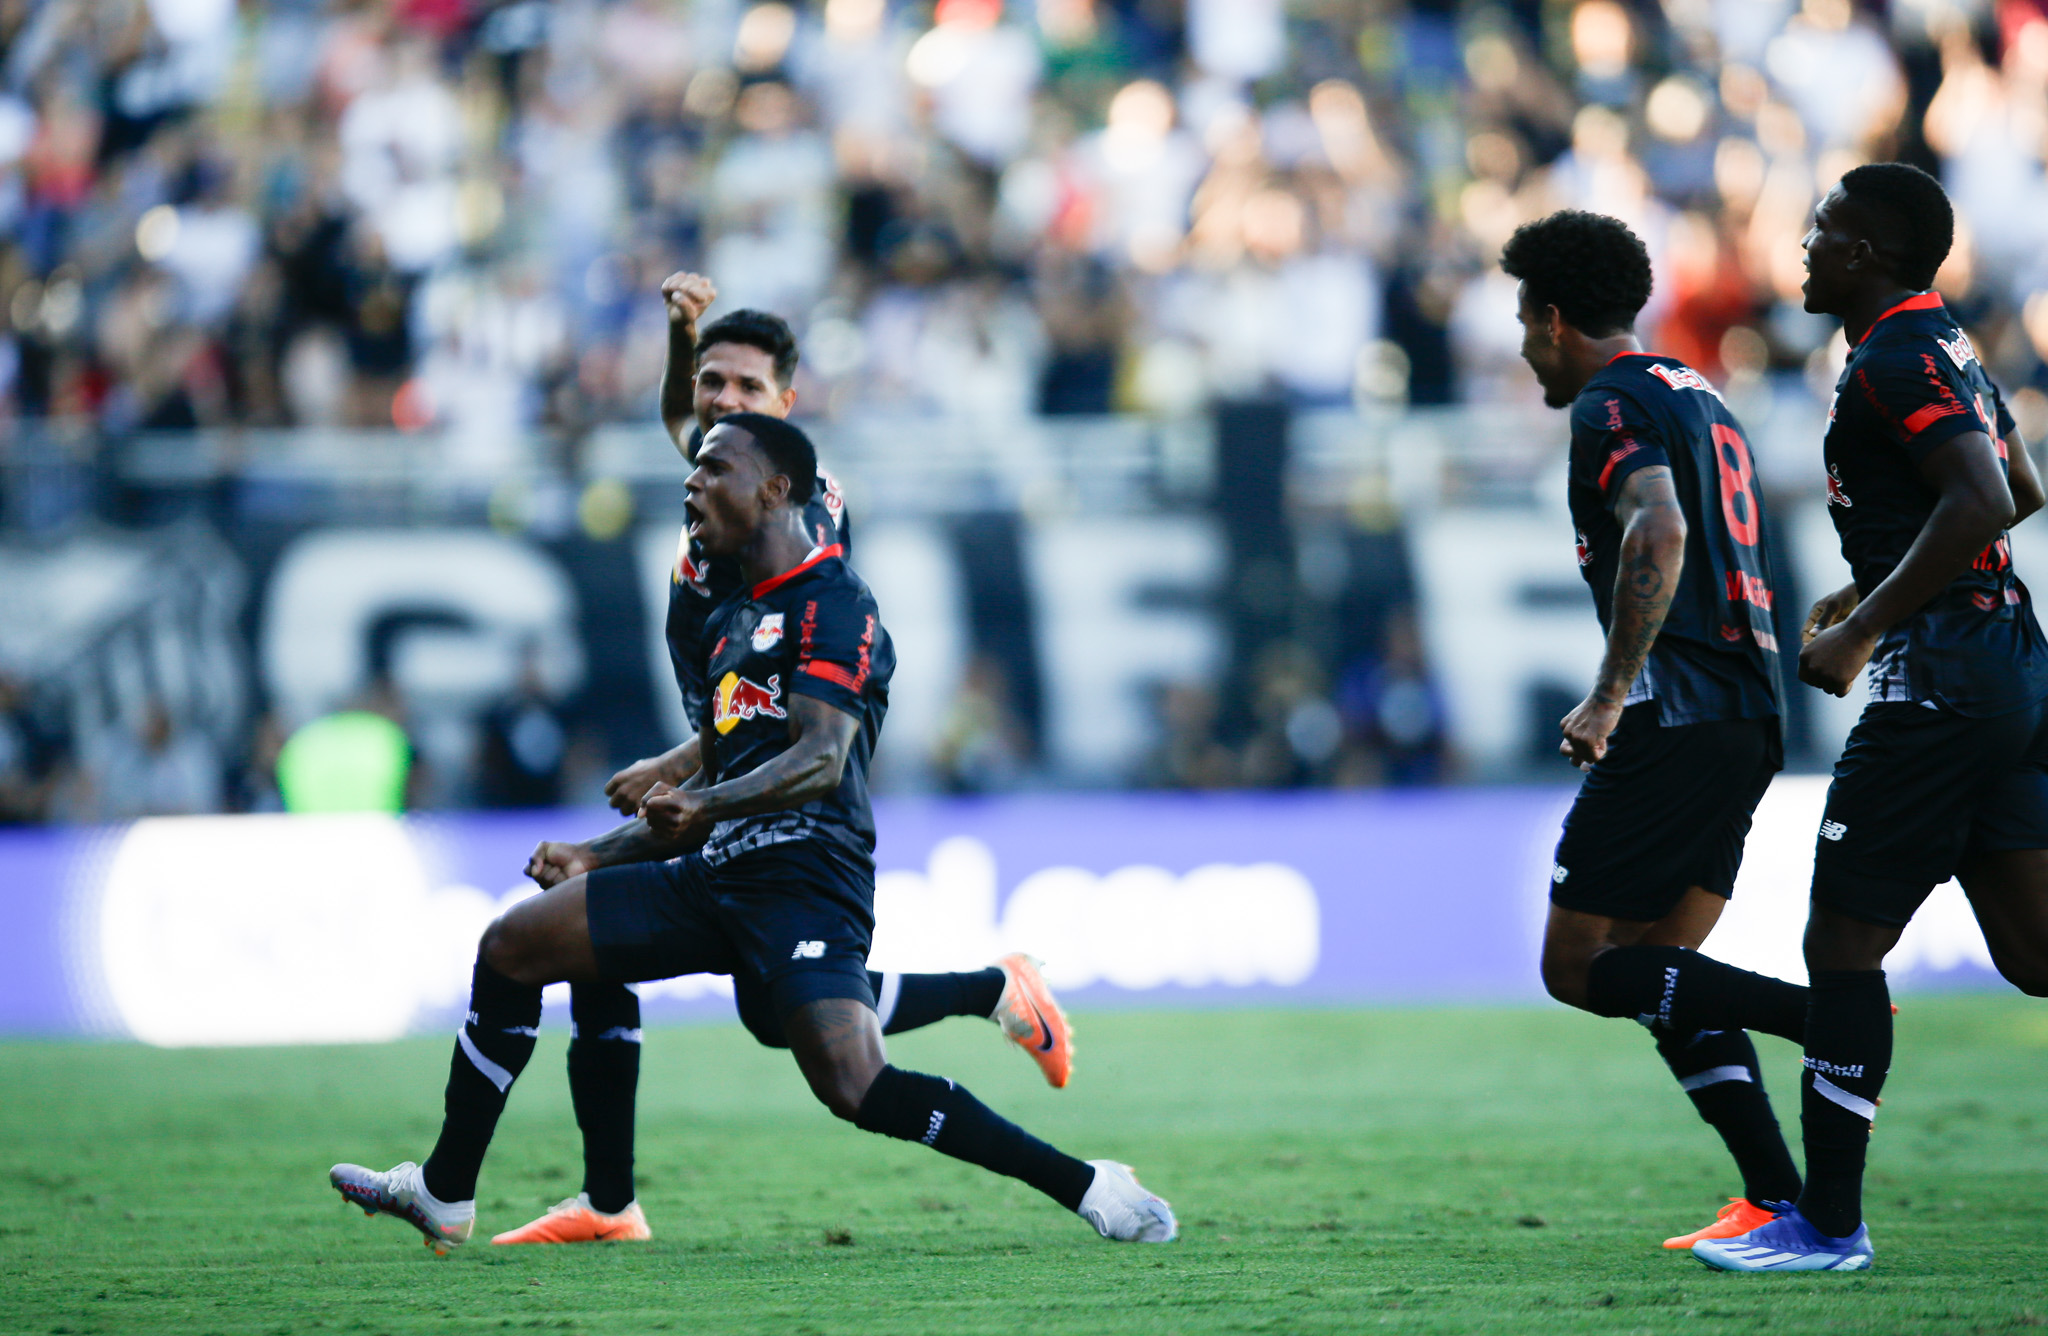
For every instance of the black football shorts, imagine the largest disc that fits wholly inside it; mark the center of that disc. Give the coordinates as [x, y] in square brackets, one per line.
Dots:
[1664, 810]
[791, 920]
[1916, 793]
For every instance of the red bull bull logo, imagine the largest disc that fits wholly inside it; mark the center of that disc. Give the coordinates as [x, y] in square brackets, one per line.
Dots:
[738, 699]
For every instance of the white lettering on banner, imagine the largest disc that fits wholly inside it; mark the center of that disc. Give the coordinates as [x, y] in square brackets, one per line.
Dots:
[1107, 634]
[492, 595]
[1138, 927]
[264, 930]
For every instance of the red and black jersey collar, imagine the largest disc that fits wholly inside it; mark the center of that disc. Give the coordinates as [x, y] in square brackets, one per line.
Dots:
[1618, 356]
[817, 554]
[1923, 301]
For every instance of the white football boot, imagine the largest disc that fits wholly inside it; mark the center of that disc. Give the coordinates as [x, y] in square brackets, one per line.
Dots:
[403, 1193]
[1121, 1209]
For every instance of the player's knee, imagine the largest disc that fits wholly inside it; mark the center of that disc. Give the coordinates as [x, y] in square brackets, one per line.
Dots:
[1564, 976]
[496, 948]
[508, 947]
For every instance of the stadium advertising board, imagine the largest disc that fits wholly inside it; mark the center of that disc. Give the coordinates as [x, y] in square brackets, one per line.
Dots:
[274, 929]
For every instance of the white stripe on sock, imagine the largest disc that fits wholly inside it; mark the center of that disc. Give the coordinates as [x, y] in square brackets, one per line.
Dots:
[885, 1005]
[624, 1034]
[1833, 1093]
[493, 1073]
[1714, 1076]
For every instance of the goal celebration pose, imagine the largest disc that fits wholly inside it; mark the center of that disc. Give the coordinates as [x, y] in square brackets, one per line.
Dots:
[778, 888]
[1946, 772]
[1680, 734]
[742, 362]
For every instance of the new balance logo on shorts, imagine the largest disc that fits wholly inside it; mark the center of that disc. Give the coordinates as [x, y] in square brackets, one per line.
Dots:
[1833, 830]
[1558, 874]
[808, 951]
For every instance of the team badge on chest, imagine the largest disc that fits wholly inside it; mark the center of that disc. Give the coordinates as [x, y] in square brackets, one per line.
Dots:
[768, 633]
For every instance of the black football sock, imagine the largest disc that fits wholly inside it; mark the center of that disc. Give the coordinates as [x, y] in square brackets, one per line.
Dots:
[933, 1111]
[604, 1078]
[491, 1050]
[912, 1001]
[1848, 1052]
[1718, 1070]
[1672, 990]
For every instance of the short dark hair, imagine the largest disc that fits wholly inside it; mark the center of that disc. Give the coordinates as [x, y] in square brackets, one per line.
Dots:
[787, 448]
[1589, 266]
[1908, 216]
[754, 329]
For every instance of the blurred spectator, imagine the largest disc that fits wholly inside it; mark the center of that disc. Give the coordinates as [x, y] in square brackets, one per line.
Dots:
[33, 756]
[161, 768]
[1392, 713]
[522, 746]
[981, 746]
[258, 215]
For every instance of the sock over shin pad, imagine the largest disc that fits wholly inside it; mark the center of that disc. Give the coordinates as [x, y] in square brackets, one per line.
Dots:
[1675, 991]
[1848, 1052]
[912, 1001]
[911, 1106]
[604, 1079]
[1718, 1071]
[491, 1050]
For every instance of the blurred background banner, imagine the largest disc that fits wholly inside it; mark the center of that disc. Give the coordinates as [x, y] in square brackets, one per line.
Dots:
[358, 928]
[1161, 349]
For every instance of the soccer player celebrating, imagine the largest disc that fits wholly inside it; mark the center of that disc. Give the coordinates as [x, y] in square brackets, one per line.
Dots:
[1946, 773]
[769, 874]
[742, 362]
[1680, 734]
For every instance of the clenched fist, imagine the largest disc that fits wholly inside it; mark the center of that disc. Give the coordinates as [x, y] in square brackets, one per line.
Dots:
[688, 296]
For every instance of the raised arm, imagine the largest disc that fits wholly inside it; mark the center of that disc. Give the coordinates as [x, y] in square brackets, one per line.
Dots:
[1975, 507]
[821, 736]
[687, 297]
[1652, 557]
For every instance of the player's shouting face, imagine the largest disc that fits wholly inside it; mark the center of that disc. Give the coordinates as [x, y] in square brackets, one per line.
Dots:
[738, 378]
[731, 491]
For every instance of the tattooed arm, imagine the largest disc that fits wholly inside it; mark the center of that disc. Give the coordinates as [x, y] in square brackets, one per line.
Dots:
[1652, 555]
[821, 735]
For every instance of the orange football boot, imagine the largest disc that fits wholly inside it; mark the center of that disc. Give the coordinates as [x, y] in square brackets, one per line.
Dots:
[1033, 1021]
[1737, 1217]
[574, 1220]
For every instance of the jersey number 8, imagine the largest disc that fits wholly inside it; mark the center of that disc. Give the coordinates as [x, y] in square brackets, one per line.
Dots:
[1738, 485]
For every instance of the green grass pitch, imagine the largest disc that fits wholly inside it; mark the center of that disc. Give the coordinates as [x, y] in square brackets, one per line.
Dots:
[1335, 1171]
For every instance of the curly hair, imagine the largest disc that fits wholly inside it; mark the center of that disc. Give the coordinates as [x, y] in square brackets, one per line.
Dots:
[754, 329]
[1908, 217]
[1589, 266]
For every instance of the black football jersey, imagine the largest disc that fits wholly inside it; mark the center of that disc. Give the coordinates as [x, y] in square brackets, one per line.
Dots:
[813, 631]
[1914, 383]
[1716, 656]
[697, 584]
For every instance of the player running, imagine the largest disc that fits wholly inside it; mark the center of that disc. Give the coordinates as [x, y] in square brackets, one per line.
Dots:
[769, 874]
[1946, 773]
[1680, 735]
[742, 362]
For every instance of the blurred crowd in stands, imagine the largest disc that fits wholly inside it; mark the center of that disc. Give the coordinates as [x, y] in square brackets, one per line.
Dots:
[451, 217]
[453, 213]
